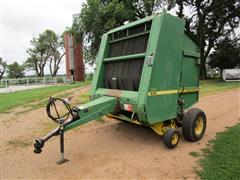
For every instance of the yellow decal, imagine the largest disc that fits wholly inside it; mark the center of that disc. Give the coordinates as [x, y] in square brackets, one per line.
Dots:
[157, 93]
[164, 92]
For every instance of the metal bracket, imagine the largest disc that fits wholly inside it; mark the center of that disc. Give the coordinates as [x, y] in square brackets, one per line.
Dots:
[149, 60]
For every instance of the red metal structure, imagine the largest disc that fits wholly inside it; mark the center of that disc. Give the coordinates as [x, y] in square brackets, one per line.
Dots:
[74, 59]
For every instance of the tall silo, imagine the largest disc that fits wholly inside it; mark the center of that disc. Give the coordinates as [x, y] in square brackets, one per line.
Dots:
[74, 58]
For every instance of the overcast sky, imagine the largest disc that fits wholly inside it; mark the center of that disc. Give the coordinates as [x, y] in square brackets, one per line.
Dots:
[23, 19]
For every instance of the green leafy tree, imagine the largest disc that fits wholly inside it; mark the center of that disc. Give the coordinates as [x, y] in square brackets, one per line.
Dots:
[3, 66]
[97, 17]
[226, 54]
[57, 52]
[210, 21]
[46, 48]
[15, 70]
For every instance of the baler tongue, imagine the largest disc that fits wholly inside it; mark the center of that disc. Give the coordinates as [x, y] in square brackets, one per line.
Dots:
[85, 113]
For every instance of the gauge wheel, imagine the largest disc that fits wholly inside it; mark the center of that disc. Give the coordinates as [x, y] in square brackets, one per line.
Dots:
[171, 138]
[194, 124]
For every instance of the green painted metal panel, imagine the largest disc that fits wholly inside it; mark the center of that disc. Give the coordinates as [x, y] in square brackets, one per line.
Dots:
[190, 70]
[128, 96]
[129, 37]
[127, 57]
[93, 110]
[99, 70]
[191, 53]
[140, 21]
[147, 68]
[166, 70]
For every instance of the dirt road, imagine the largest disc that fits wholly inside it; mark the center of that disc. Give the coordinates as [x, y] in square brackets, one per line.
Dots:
[108, 149]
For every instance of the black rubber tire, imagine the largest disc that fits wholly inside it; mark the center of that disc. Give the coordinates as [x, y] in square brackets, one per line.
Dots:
[189, 123]
[167, 138]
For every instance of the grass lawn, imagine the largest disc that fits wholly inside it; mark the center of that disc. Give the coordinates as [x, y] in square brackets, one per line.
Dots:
[2, 85]
[222, 157]
[11, 100]
[209, 87]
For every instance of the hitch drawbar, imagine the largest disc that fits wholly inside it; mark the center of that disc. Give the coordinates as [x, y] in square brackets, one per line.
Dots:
[73, 118]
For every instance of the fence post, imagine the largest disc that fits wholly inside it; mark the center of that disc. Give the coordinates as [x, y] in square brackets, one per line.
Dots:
[55, 79]
[6, 83]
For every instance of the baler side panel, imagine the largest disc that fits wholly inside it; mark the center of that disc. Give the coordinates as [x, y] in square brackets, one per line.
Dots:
[147, 68]
[166, 71]
[98, 78]
[190, 71]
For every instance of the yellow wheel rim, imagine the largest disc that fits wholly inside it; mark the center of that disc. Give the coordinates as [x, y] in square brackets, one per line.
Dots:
[174, 138]
[199, 126]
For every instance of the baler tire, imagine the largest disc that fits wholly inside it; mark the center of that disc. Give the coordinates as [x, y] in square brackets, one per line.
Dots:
[191, 121]
[171, 138]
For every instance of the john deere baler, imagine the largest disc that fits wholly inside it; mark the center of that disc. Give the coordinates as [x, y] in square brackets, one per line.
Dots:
[147, 73]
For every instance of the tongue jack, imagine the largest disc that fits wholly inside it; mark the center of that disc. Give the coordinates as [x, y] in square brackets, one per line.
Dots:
[62, 121]
[61, 134]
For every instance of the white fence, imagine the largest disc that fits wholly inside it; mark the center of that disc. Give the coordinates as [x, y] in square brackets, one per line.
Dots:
[12, 85]
[28, 81]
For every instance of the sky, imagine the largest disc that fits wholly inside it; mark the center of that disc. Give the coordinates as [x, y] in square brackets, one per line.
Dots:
[20, 20]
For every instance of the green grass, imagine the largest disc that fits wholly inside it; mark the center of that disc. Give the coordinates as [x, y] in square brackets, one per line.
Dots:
[195, 154]
[19, 143]
[209, 87]
[2, 85]
[11, 100]
[222, 158]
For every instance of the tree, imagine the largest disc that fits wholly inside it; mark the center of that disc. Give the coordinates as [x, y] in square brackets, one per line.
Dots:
[15, 70]
[97, 17]
[3, 66]
[38, 54]
[56, 54]
[47, 47]
[226, 54]
[210, 21]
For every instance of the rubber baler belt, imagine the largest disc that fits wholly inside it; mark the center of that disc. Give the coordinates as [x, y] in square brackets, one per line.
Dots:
[129, 46]
[123, 75]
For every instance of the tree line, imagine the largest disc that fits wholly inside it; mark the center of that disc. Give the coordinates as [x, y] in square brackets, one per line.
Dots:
[47, 49]
[212, 22]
